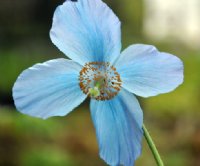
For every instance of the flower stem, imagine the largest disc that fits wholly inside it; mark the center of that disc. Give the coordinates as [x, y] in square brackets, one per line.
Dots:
[152, 147]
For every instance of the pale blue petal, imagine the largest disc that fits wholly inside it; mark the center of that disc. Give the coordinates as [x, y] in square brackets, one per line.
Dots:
[48, 89]
[118, 124]
[147, 72]
[86, 31]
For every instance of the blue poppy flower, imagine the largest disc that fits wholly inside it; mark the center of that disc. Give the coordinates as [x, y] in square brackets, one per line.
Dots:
[89, 33]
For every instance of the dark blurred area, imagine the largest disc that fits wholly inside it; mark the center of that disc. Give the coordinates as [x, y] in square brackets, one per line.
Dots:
[173, 119]
[21, 18]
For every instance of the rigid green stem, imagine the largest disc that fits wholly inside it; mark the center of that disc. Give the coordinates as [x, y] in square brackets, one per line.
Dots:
[152, 147]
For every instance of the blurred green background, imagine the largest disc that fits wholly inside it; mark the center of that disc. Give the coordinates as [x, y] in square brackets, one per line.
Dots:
[173, 119]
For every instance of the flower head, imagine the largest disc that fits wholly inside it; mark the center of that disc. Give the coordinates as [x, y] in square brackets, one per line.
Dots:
[89, 33]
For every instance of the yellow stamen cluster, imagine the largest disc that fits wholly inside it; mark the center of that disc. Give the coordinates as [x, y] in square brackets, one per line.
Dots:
[100, 80]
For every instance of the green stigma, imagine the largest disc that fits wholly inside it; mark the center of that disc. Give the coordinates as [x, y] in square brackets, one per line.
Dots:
[94, 92]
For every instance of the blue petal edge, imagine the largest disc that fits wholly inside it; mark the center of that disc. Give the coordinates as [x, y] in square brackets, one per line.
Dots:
[48, 89]
[118, 124]
[87, 31]
[147, 72]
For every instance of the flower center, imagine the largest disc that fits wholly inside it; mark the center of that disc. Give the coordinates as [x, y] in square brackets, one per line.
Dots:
[100, 80]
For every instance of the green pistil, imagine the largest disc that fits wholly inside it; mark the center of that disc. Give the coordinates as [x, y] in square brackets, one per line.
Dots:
[94, 92]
